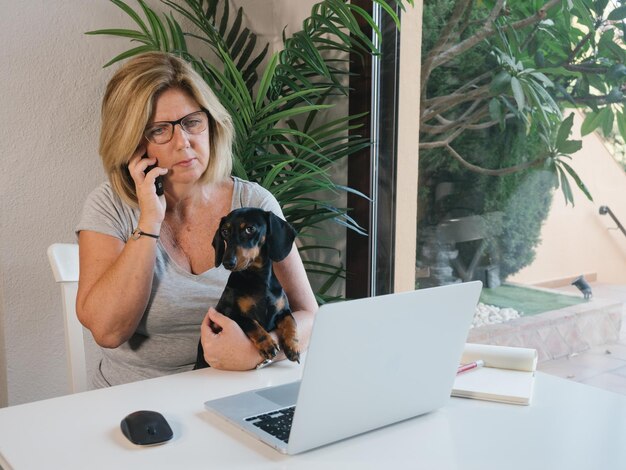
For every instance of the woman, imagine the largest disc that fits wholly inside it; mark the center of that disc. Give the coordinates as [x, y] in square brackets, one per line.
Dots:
[147, 272]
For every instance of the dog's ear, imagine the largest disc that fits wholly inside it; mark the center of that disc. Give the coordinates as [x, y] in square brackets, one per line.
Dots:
[280, 237]
[219, 244]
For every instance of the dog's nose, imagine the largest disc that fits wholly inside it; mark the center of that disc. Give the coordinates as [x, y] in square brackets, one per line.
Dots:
[229, 263]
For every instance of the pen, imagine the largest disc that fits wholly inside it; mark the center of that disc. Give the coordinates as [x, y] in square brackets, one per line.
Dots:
[470, 366]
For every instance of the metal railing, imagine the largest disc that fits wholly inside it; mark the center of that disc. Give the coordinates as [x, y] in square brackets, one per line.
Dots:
[607, 210]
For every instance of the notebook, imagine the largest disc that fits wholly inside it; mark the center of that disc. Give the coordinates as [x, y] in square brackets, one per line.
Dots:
[508, 375]
[371, 363]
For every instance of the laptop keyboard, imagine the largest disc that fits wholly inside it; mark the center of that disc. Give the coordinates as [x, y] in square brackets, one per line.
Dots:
[277, 423]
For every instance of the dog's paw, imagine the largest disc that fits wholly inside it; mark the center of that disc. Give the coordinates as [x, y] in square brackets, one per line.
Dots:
[288, 337]
[292, 354]
[268, 349]
[291, 348]
[215, 328]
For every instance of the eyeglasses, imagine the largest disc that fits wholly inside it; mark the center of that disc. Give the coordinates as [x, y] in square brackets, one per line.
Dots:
[162, 132]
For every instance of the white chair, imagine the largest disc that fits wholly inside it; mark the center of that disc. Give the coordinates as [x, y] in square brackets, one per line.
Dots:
[63, 259]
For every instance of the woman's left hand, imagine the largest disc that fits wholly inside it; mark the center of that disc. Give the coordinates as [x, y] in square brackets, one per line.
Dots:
[230, 349]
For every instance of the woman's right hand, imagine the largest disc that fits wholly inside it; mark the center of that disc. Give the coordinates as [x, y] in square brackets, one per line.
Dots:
[152, 207]
[109, 265]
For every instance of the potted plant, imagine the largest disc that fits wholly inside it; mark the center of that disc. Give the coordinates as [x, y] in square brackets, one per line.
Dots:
[280, 140]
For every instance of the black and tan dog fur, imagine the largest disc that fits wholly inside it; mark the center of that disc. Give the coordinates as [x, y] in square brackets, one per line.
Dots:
[247, 241]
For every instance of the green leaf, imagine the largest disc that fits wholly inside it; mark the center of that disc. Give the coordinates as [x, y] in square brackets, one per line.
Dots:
[234, 30]
[576, 179]
[123, 33]
[251, 67]
[178, 38]
[270, 176]
[266, 80]
[617, 14]
[224, 21]
[621, 124]
[570, 146]
[518, 93]
[276, 117]
[130, 12]
[616, 72]
[561, 71]
[564, 129]
[500, 82]
[616, 51]
[298, 97]
[582, 9]
[156, 27]
[592, 122]
[607, 121]
[599, 6]
[566, 188]
[390, 11]
[211, 9]
[545, 81]
[238, 46]
[129, 53]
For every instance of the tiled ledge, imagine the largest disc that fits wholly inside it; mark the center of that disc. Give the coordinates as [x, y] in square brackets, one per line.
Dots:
[558, 333]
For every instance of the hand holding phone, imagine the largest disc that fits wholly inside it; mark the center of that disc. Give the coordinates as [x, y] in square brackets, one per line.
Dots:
[158, 182]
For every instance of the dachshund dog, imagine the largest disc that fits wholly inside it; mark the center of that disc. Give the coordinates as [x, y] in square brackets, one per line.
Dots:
[246, 243]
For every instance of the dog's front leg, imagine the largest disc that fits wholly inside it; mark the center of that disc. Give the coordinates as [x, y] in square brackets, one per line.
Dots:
[288, 336]
[257, 334]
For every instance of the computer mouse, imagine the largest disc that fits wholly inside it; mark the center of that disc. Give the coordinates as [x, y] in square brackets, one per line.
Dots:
[146, 427]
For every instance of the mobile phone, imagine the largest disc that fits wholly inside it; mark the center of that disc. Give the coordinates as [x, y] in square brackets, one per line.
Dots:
[158, 182]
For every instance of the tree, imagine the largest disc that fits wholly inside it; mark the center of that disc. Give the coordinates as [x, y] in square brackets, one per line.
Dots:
[542, 56]
[495, 80]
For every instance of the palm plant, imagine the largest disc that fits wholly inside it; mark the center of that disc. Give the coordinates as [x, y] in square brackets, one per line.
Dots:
[281, 141]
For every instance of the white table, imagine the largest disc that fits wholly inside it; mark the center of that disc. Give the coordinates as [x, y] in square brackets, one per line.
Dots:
[568, 426]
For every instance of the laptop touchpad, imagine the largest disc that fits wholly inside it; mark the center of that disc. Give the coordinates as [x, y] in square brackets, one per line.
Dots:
[282, 395]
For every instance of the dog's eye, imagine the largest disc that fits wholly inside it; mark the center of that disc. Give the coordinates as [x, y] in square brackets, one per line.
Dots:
[224, 232]
[250, 229]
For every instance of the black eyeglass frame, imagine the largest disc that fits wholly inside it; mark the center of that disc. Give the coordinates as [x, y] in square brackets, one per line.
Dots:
[179, 122]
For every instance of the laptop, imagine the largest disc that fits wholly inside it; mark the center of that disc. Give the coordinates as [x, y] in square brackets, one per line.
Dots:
[371, 362]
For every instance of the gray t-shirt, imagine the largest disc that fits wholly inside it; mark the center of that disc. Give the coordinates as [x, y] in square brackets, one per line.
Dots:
[166, 339]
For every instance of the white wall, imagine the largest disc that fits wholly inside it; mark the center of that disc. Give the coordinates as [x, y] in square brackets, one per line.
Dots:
[52, 85]
[577, 239]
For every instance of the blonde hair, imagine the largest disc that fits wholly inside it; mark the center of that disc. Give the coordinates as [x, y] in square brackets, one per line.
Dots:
[128, 106]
